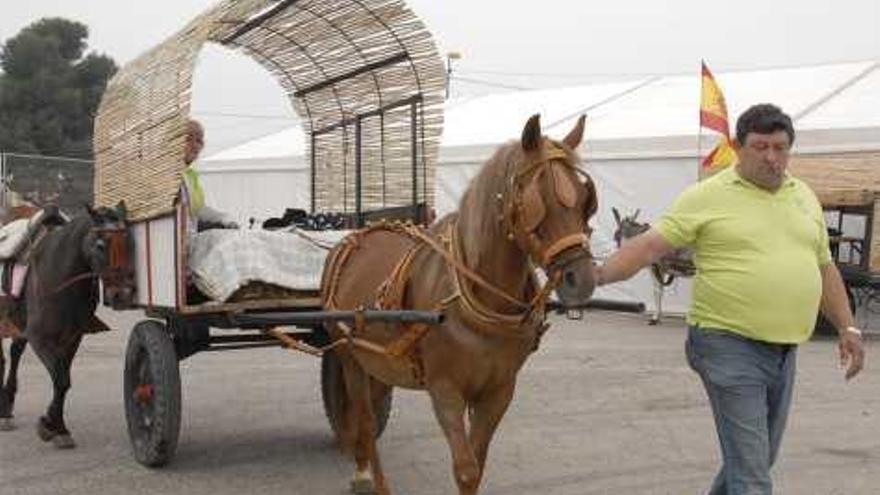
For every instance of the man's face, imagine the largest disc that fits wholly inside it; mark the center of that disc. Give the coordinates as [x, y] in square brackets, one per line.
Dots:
[195, 141]
[763, 159]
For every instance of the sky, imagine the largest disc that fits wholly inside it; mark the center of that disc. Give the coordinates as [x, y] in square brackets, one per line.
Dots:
[504, 44]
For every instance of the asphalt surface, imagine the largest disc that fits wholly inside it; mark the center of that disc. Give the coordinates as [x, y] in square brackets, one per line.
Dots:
[607, 405]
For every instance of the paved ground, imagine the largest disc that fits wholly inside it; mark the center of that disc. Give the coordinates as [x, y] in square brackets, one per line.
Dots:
[606, 406]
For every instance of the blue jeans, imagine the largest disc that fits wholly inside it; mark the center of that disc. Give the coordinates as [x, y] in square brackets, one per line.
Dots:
[749, 384]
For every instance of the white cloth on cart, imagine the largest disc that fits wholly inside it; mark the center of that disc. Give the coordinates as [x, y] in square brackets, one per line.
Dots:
[223, 260]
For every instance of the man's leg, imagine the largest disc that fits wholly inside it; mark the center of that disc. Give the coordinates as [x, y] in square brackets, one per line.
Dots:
[779, 402]
[733, 371]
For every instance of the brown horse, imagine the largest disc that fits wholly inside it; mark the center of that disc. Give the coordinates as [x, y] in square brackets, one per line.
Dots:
[528, 207]
[677, 264]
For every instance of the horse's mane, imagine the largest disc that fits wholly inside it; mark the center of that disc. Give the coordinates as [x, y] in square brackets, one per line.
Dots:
[481, 193]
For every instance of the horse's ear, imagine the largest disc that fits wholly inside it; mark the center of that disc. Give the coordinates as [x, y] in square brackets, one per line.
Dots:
[531, 135]
[91, 211]
[636, 214]
[574, 138]
[616, 215]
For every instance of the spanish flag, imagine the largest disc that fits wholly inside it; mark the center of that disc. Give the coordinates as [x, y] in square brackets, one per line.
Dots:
[713, 109]
[713, 115]
[721, 156]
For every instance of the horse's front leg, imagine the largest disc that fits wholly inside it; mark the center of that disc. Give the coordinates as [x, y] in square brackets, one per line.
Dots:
[369, 477]
[449, 408]
[486, 413]
[57, 359]
[10, 387]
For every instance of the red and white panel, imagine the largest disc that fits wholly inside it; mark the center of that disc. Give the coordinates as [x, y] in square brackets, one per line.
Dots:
[155, 248]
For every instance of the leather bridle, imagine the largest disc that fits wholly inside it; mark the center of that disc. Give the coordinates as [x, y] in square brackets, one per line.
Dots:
[118, 267]
[560, 252]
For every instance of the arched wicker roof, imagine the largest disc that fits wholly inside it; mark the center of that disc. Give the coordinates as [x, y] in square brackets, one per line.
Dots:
[363, 75]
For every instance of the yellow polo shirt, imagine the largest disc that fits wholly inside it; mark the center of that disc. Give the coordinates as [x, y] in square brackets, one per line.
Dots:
[757, 255]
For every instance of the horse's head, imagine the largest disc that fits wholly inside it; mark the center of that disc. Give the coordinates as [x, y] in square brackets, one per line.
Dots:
[627, 226]
[547, 208]
[108, 248]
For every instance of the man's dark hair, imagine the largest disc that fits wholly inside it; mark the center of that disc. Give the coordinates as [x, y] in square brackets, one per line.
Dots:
[764, 118]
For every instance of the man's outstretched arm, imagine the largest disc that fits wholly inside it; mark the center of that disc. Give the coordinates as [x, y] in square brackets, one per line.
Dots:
[635, 254]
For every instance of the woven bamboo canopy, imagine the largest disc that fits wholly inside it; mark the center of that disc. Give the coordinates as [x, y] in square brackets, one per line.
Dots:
[364, 76]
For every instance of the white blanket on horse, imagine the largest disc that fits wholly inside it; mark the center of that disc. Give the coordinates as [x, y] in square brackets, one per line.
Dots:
[222, 261]
[12, 236]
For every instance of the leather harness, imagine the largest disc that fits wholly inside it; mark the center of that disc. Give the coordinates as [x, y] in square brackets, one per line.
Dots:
[531, 315]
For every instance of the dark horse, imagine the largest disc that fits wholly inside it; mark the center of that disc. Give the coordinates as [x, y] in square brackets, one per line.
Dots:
[528, 207]
[679, 263]
[57, 307]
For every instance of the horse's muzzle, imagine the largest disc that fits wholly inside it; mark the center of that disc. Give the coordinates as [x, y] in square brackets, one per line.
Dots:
[577, 278]
[118, 297]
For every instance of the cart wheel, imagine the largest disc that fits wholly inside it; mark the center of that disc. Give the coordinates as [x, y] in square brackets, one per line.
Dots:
[152, 394]
[823, 326]
[336, 400]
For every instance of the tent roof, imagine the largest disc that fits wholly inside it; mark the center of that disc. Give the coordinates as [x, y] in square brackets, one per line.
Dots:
[668, 106]
[856, 106]
[833, 97]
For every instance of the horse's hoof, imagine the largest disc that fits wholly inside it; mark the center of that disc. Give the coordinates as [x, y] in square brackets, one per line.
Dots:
[43, 431]
[64, 441]
[653, 322]
[363, 486]
[7, 424]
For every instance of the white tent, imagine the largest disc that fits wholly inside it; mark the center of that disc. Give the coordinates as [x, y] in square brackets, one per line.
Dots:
[641, 144]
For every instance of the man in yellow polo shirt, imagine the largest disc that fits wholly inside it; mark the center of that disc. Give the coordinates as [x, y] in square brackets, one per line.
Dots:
[763, 271]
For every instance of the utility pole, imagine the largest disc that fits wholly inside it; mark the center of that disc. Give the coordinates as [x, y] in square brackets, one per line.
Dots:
[450, 56]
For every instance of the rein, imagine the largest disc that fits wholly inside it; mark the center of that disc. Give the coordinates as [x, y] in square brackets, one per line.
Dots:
[487, 318]
[453, 259]
[70, 282]
[486, 315]
[546, 257]
[117, 260]
[465, 279]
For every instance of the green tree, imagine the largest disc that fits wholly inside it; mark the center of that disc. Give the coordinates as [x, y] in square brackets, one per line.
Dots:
[50, 91]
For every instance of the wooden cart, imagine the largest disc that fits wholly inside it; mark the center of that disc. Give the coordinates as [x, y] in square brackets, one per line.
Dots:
[848, 187]
[366, 80]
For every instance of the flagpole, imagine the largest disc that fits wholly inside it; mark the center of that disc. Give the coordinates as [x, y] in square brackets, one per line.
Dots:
[700, 127]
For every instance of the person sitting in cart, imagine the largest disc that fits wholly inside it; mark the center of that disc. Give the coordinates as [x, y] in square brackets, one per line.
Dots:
[221, 261]
[201, 216]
